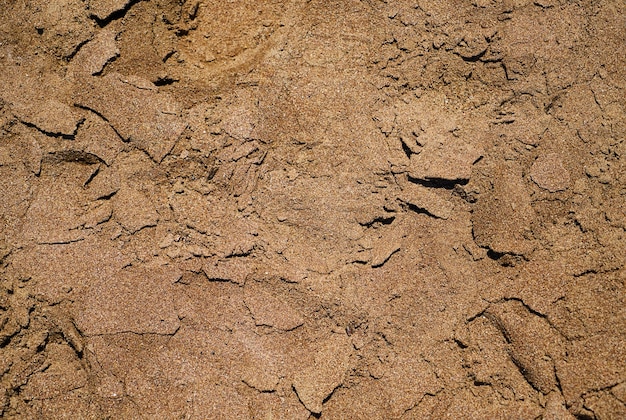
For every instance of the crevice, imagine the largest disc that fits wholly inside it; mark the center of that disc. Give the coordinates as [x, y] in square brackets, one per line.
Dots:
[468, 197]
[86, 108]
[583, 416]
[220, 280]
[406, 149]
[325, 400]
[260, 391]
[495, 320]
[495, 255]
[506, 259]
[523, 371]
[473, 58]
[104, 66]
[112, 334]
[585, 273]
[63, 136]
[91, 177]
[558, 380]
[108, 196]
[460, 343]
[118, 14]
[528, 308]
[447, 184]
[477, 382]
[72, 54]
[165, 81]
[421, 210]
[478, 315]
[168, 56]
[543, 6]
[383, 220]
[65, 242]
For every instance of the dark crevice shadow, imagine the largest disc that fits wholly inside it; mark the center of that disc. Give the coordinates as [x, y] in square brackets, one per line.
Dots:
[447, 184]
[118, 14]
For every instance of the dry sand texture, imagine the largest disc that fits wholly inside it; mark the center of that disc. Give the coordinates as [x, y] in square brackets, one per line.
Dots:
[312, 209]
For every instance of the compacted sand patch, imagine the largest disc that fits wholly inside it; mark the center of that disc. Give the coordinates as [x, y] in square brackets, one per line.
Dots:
[312, 209]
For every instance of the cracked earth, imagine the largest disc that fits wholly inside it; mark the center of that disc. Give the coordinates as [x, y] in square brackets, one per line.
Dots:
[313, 209]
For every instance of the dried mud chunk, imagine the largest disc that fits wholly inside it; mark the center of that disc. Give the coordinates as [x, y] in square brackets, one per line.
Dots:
[105, 184]
[5, 249]
[16, 191]
[315, 383]
[426, 200]
[541, 284]
[363, 401]
[136, 110]
[367, 216]
[605, 406]
[268, 309]
[51, 117]
[83, 261]
[33, 154]
[532, 343]
[385, 120]
[386, 246]
[64, 25]
[472, 45]
[555, 408]
[451, 161]
[62, 376]
[504, 215]
[398, 391]
[239, 240]
[66, 327]
[91, 58]
[406, 382]
[522, 121]
[488, 360]
[307, 259]
[134, 300]
[98, 138]
[388, 243]
[134, 211]
[594, 363]
[619, 391]
[54, 215]
[232, 269]
[195, 211]
[577, 106]
[549, 173]
[259, 365]
[24, 369]
[469, 404]
[259, 378]
[97, 215]
[240, 122]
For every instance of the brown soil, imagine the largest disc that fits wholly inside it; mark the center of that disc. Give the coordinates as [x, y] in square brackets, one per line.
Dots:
[300, 209]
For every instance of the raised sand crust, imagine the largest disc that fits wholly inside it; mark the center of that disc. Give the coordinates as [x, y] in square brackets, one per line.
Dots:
[299, 209]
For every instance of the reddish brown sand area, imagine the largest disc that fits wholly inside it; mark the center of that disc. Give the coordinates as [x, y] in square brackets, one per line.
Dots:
[374, 209]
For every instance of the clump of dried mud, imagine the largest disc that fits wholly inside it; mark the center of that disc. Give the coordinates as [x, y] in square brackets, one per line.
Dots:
[327, 209]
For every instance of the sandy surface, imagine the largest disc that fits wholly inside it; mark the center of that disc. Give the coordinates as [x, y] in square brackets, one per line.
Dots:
[312, 209]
